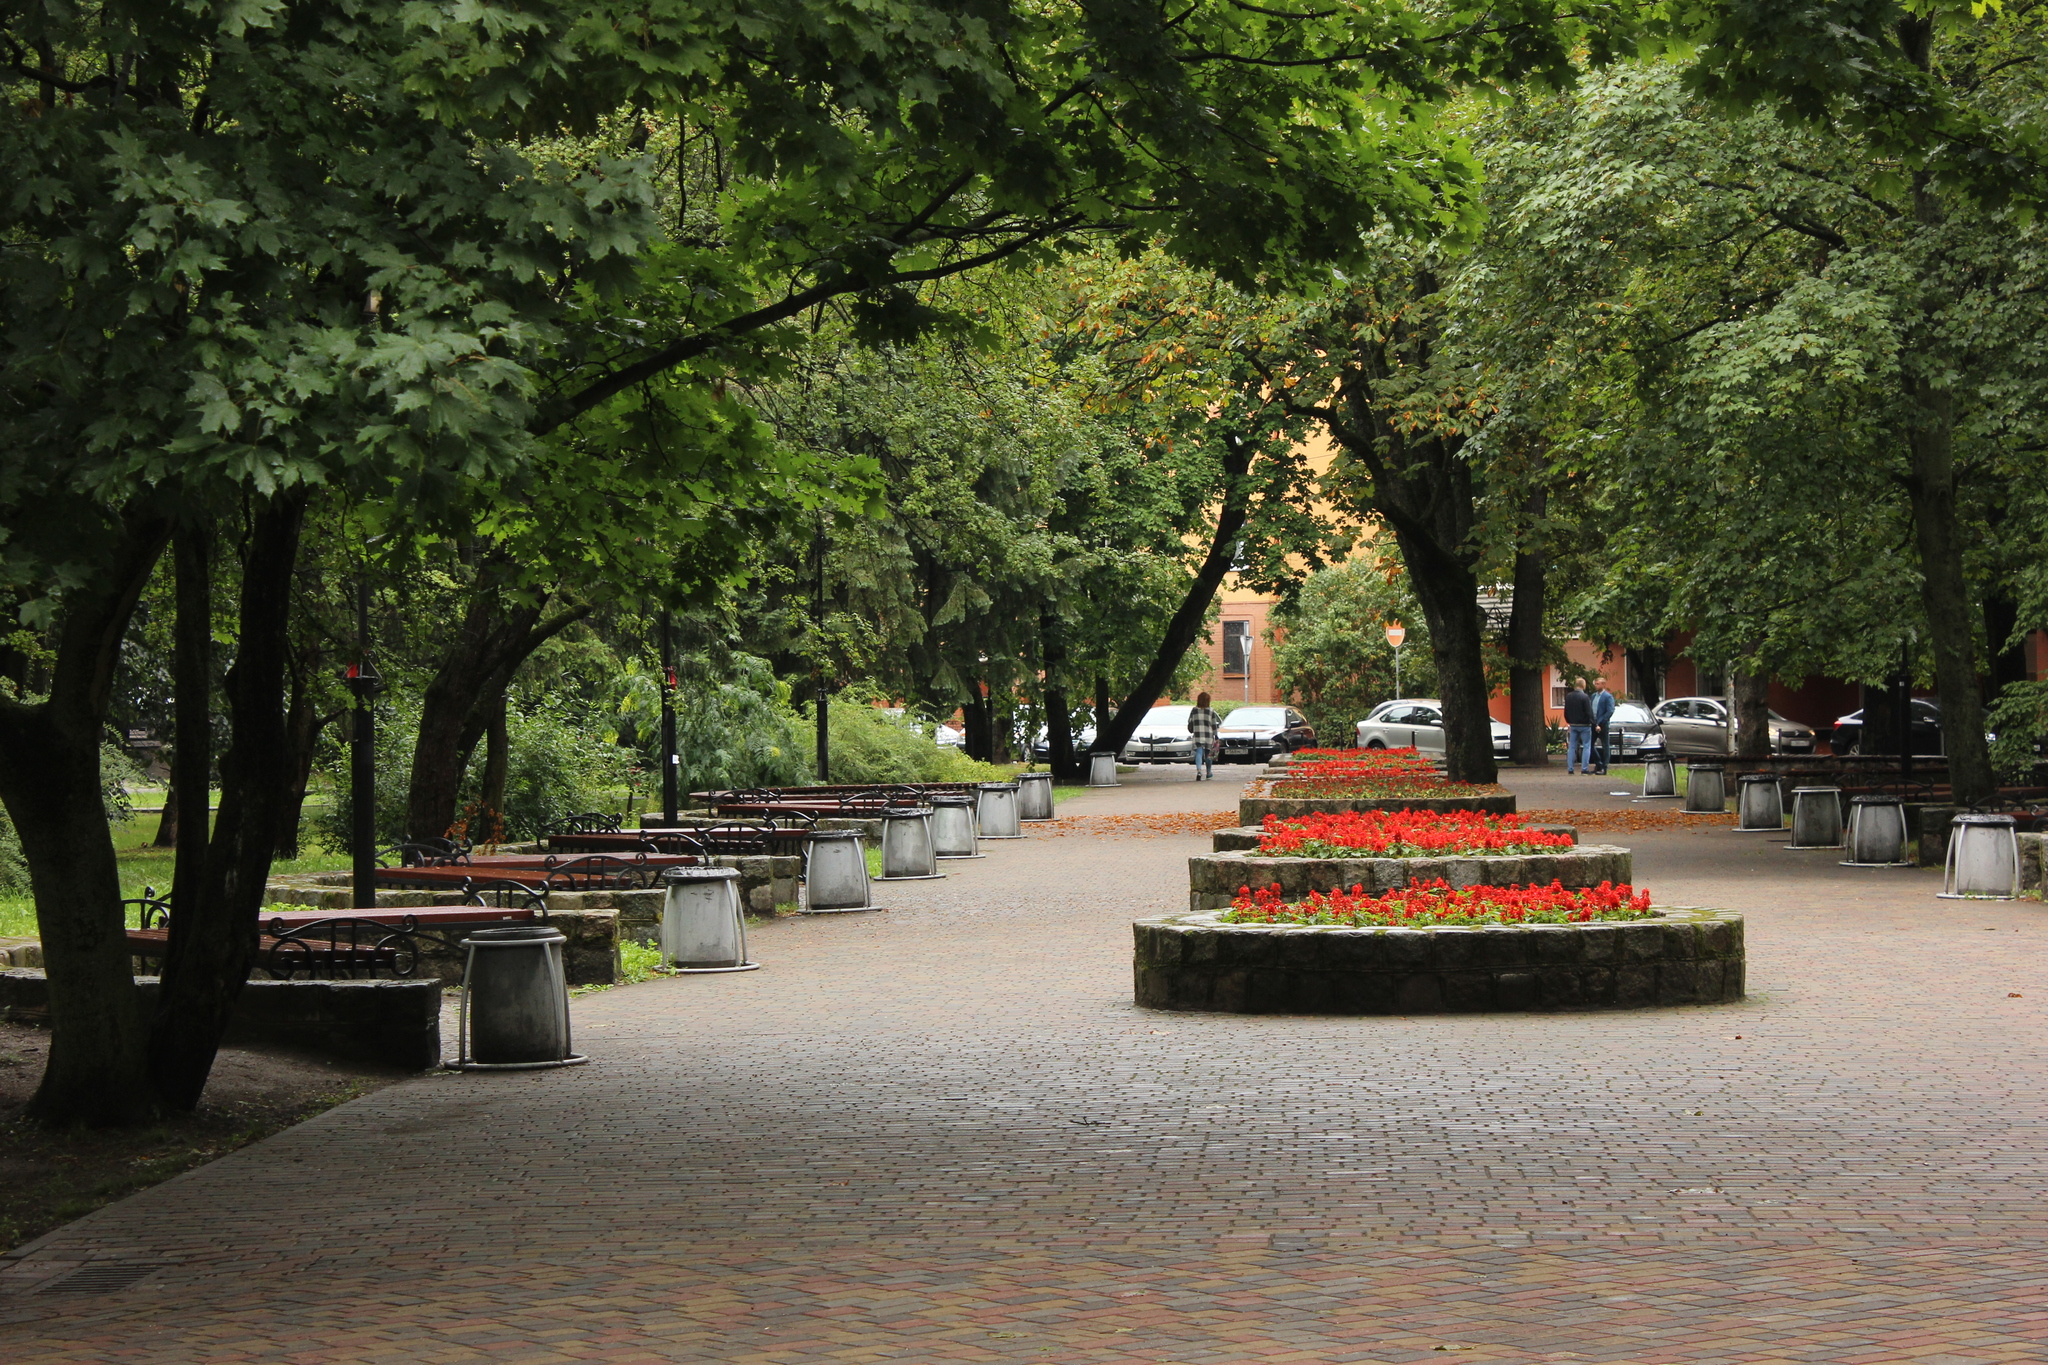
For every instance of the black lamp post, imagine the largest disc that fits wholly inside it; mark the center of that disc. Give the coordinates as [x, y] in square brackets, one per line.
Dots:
[670, 760]
[818, 664]
[364, 683]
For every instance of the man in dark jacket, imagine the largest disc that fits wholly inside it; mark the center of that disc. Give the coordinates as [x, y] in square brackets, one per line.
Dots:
[1578, 735]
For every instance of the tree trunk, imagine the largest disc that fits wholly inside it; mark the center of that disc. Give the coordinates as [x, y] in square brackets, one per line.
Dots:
[167, 823]
[192, 679]
[1449, 594]
[1186, 622]
[213, 936]
[490, 808]
[1528, 717]
[302, 726]
[485, 653]
[1752, 707]
[1646, 669]
[1059, 723]
[974, 717]
[50, 781]
[1881, 729]
[1945, 594]
[1101, 710]
[2001, 623]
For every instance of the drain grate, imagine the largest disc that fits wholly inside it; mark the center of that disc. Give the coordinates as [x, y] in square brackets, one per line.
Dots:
[101, 1277]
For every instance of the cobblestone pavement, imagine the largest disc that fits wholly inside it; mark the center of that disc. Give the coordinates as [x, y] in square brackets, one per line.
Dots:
[945, 1134]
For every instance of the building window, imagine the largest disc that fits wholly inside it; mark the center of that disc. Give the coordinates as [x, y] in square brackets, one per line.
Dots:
[1557, 689]
[1237, 648]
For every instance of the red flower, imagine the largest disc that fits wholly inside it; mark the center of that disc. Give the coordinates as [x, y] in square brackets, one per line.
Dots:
[1438, 903]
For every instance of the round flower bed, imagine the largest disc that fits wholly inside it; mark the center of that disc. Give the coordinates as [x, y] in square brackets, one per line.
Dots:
[1402, 834]
[1367, 779]
[1664, 956]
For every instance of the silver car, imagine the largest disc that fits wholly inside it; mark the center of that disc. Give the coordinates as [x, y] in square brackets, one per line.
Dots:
[1161, 737]
[1416, 721]
[1701, 725]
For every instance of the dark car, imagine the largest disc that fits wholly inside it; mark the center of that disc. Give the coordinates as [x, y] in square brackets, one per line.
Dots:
[1848, 734]
[1630, 725]
[1253, 734]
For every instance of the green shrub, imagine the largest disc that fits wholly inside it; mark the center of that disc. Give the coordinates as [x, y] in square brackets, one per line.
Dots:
[736, 728]
[871, 745]
[13, 867]
[554, 769]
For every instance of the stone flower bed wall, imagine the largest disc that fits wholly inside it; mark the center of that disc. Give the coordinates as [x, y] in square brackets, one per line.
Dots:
[1257, 803]
[1193, 962]
[1213, 878]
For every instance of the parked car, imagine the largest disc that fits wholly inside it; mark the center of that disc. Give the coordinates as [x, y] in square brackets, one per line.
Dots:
[1417, 721]
[1631, 724]
[1253, 734]
[1847, 737]
[1700, 725]
[1041, 747]
[1161, 737]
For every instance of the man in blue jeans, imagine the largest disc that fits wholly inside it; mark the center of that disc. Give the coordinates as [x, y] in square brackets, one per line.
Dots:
[1578, 735]
[1603, 712]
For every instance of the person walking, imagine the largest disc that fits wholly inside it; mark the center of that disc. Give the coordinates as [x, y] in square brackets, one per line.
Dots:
[1603, 712]
[1578, 734]
[1203, 725]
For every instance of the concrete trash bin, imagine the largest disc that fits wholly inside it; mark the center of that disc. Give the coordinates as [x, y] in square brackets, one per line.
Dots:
[1102, 770]
[703, 927]
[1816, 817]
[1877, 832]
[1660, 777]
[1759, 804]
[835, 872]
[1034, 796]
[1706, 788]
[995, 810]
[953, 828]
[515, 1002]
[907, 854]
[1983, 859]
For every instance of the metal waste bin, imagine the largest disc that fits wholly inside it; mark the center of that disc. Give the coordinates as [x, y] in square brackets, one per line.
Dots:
[1034, 796]
[703, 927]
[996, 810]
[1983, 859]
[1877, 832]
[907, 854]
[1759, 805]
[1660, 777]
[1706, 788]
[1102, 770]
[953, 828]
[835, 872]
[514, 1014]
[1816, 817]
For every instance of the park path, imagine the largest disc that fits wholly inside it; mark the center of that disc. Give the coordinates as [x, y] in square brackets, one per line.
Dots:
[946, 1134]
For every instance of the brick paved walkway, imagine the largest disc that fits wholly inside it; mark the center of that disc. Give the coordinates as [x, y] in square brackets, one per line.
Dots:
[945, 1134]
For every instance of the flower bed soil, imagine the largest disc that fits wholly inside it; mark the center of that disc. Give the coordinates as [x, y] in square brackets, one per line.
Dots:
[1214, 878]
[1195, 961]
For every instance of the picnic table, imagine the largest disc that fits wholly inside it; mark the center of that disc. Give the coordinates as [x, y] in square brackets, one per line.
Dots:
[701, 840]
[544, 872]
[361, 942]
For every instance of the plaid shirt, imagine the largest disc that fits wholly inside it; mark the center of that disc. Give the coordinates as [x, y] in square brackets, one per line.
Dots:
[1202, 723]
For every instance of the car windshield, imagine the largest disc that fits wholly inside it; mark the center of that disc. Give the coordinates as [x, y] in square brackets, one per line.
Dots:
[1632, 711]
[1780, 720]
[1262, 716]
[1160, 719]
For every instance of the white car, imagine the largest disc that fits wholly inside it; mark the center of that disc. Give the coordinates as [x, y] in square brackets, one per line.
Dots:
[1417, 722]
[1161, 737]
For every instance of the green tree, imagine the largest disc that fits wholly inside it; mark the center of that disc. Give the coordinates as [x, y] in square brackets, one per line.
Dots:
[1330, 650]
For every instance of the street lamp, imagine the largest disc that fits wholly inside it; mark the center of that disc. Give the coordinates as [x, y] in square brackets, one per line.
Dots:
[364, 685]
[1396, 633]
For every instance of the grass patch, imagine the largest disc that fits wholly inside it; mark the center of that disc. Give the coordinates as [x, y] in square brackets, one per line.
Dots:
[143, 865]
